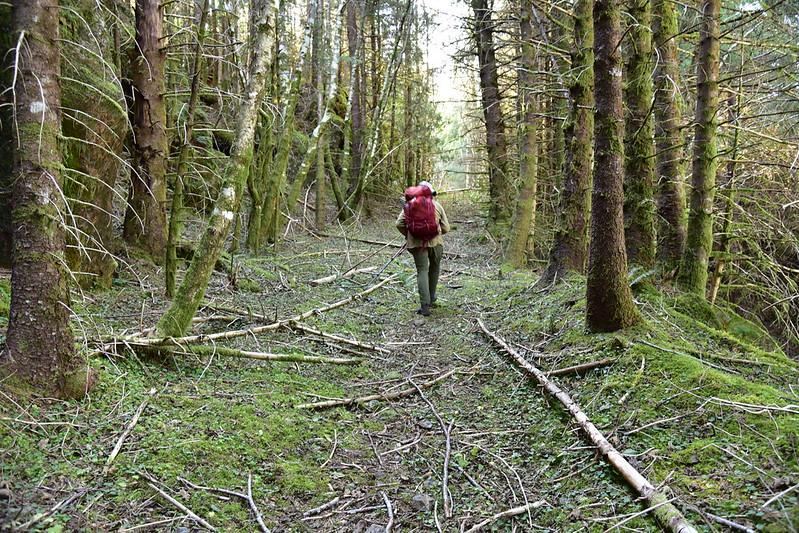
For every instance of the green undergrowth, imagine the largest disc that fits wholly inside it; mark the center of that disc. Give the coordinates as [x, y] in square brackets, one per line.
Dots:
[697, 398]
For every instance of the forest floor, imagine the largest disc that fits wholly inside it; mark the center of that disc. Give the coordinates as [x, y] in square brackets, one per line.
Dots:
[699, 400]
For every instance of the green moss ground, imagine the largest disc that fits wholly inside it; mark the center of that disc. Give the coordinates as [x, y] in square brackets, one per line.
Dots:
[697, 399]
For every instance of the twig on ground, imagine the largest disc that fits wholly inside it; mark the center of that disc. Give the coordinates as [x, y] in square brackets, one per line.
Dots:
[246, 497]
[127, 431]
[778, 496]
[358, 344]
[348, 274]
[254, 507]
[729, 523]
[507, 514]
[390, 524]
[50, 512]
[641, 513]
[581, 368]
[365, 399]
[182, 507]
[322, 508]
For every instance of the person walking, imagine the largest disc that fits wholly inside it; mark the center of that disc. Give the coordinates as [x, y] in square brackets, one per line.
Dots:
[427, 250]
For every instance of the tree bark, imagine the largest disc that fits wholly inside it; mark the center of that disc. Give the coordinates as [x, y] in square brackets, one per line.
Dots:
[496, 143]
[570, 245]
[639, 149]
[693, 271]
[192, 289]
[668, 139]
[523, 228]
[145, 219]
[40, 356]
[609, 305]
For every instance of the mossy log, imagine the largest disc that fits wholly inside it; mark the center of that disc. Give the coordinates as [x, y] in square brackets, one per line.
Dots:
[666, 514]
[163, 350]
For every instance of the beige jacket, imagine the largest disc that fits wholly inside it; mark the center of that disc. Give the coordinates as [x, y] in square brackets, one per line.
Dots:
[443, 225]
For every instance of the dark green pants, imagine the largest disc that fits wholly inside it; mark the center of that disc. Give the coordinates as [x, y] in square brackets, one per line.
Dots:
[428, 266]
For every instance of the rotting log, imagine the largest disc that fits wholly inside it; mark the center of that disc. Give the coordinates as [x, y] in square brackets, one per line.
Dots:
[666, 514]
[392, 396]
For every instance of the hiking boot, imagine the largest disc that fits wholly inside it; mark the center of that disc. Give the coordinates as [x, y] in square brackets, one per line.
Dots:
[433, 302]
[424, 310]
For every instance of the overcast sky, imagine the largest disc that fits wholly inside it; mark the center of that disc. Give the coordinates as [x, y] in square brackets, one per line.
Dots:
[444, 38]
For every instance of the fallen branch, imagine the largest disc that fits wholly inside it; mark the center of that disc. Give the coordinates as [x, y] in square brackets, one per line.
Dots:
[182, 507]
[127, 431]
[668, 515]
[345, 275]
[230, 352]
[246, 497]
[507, 514]
[322, 508]
[337, 338]
[194, 339]
[364, 399]
[581, 368]
[729, 523]
[390, 511]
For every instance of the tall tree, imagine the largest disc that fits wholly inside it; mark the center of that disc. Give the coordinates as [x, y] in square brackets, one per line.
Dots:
[192, 288]
[609, 304]
[524, 218]
[668, 138]
[693, 272]
[496, 143]
[40, 356]
[145, 219]
[570, 246]
[639, 167]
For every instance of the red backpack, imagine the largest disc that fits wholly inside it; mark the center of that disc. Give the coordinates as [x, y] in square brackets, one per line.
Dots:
[420, 213]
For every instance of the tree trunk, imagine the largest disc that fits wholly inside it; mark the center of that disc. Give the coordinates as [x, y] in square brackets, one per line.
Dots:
[670, 183]
[639, 168]
[693, 273]
[355, 127]
[40, 356]
[523, 228]
[609, 304]
[173, 235]
[496, 143]
[570, 245]
[145, 219]
[192, 289]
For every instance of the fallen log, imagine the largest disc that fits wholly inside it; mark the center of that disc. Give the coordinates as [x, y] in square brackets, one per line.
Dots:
[364, 399]
[194, 339]
[162, 350]
[666, 514]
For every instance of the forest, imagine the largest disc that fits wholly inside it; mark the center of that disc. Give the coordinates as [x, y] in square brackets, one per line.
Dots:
[208, 316]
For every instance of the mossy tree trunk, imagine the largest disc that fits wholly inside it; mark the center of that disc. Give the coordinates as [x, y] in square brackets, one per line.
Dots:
[176, 210]
[668, 137]
[570, 245]
[354, 133]
[40, 356]
[524, 219]
[496, 143]
[693, 272]
[319, 57]
[639, 149]
[6, 137]
[94, 128]
[145, 219]
[192, 288]
[609, 304]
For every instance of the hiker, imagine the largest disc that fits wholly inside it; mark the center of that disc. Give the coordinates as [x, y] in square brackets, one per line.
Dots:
[423, 222]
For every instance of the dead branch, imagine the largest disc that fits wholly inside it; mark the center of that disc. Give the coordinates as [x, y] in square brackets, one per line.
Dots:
[322, 508]
[246, 497]
[729, 523]
[194, 339]
[364, 399]
[390, 511]
[581, 368]
[668, 515]
[254, 507]
[367, 241]
[507, 514]
[230, 352]
[337, 338]
[127, 431]
[182, 507]
[345, 275]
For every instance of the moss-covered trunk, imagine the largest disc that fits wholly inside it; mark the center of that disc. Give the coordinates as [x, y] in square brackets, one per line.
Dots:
[692, 276]
[639, 147]
[524, 218]
[40, 356]
[570, 245]
[609, 304]
[496, 143]
[668, 137]
[145, 219]
[192, 289]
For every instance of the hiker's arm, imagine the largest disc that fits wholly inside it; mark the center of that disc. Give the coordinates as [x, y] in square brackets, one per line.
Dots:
[445, 227]
[401, 224]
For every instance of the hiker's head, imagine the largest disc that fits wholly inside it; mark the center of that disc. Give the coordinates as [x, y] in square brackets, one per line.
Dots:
[427, 184]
